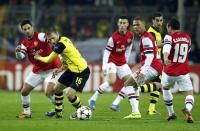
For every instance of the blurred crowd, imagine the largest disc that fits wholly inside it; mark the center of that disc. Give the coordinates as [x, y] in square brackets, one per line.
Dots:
[81, 20]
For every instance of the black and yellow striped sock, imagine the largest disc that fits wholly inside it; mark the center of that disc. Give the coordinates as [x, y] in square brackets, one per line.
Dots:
[59, 102]
[154, 96]
[149, 87]
[76, 102]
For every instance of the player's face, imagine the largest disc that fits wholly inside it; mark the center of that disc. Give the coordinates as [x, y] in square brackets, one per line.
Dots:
[169, 29]
[53, 37]
[158, 22]
[138, 27]
[122, 25]
[28, 30]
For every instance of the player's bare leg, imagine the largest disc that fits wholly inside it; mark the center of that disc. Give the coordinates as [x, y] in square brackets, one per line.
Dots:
[25, 97]
[49, 92]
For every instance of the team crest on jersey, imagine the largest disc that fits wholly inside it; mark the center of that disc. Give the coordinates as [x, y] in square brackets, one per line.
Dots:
[35, 43]
[128, 40]
[117, 42]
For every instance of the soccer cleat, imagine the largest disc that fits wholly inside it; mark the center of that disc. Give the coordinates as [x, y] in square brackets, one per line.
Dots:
[50, 113]
[73, 116]
[188, 116]
[23, 115]
[172, 117]
[59, 114]
[91, 104]
[154, 112]
[115, 108]
[133, 116]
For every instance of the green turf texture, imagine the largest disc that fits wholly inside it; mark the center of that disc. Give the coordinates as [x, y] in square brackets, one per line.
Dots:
[103, 119]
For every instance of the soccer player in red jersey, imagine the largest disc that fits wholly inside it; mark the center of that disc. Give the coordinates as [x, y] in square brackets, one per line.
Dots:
[176, 69]
[115, 59]
[151, 66]
[34, 44]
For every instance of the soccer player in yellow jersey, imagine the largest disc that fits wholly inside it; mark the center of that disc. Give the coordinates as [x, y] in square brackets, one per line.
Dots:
[74, 78]
[155, 29]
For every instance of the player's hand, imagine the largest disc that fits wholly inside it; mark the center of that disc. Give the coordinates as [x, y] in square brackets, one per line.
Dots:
[167, 61]
[104, 72]
[135, 68]
[17, 49]
[37, 57]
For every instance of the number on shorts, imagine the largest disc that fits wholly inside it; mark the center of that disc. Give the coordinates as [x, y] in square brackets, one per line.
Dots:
[78, 80]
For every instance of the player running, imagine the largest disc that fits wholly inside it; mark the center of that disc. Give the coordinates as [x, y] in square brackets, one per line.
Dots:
[74, 78]
[154, 86]
[115, 59]
[35, 43]
[151, 66]
[176, 69]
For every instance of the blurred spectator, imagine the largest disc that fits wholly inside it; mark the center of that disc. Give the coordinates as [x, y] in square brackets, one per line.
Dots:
[2, 14]
[103, 28]
[104, 2]
[73, 29]
[87, 30]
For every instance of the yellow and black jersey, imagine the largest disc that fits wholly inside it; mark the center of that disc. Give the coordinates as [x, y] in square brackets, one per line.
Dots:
[157, 35]
[71, 56]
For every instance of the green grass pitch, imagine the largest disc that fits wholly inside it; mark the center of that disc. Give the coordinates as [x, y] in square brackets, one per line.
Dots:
[103, 118]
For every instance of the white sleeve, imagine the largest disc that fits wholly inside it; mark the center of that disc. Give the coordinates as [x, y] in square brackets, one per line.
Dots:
[148, 60]
[167, 44]
[106, 54]
[147, 43]
[105, 59]
[42, 37]
[110, 44]
[128, 52]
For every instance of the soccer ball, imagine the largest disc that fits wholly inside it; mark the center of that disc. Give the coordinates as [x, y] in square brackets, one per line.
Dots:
[84, 113]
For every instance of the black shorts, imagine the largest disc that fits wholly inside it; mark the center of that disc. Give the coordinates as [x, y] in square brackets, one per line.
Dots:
[157, 79]
[75, 80]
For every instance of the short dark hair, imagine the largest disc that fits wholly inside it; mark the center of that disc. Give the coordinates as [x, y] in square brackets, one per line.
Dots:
[51, 30]
[138, 18]
[123, 17]
[156, 14]
[25, 21]
[174, 23]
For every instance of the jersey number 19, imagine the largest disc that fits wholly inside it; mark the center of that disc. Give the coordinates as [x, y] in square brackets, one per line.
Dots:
[180, 54]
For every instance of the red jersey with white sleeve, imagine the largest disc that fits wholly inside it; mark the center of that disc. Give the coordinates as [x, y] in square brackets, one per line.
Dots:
[148, 47]
[117, 46]
[38, 44]
[180, 44]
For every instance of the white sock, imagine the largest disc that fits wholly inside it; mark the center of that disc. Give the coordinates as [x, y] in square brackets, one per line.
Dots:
[133, 99]
[26, 104]
[167, 96]
[100, 91]
[121, 95]
[189, 101]
[52, 99]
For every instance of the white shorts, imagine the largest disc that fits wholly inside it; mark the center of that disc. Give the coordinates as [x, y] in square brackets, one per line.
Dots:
[53, 76]
[144, 74]
[121, 71]
[183, 82]
[49, 75]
